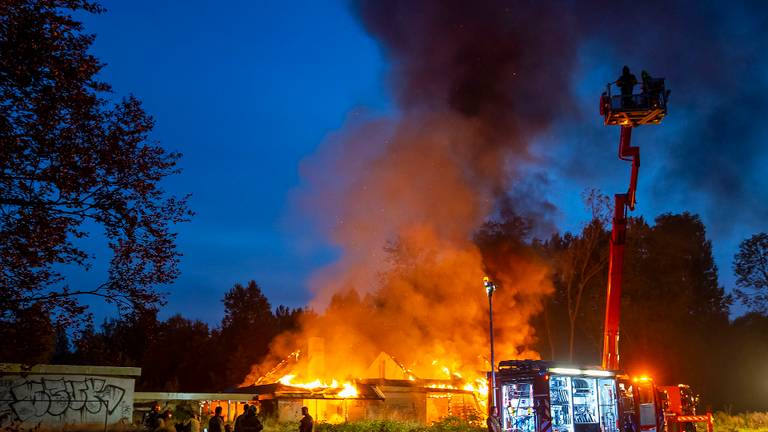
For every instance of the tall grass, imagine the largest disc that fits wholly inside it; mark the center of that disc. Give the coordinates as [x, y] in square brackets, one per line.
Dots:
[747, 422]
[450, 424]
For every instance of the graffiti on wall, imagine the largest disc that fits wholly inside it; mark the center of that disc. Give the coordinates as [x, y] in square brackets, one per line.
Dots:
[74, 399]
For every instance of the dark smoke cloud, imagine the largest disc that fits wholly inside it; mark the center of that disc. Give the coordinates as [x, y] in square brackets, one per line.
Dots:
[510, 66]
[483, 61]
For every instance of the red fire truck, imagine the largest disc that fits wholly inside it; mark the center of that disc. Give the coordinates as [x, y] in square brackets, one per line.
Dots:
[542, 396]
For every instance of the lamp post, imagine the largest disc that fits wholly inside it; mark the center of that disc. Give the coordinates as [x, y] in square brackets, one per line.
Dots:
[490, 287]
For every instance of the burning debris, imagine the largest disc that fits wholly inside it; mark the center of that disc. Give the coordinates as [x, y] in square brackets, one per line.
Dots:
[386, 390]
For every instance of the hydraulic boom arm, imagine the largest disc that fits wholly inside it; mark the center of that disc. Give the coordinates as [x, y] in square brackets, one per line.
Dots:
[616, 263]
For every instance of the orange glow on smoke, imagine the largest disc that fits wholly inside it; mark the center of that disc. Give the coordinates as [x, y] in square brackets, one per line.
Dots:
[407, 284]
[429, 315]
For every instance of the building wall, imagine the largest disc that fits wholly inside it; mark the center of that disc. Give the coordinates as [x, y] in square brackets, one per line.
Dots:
[403, 403]
[57, 396]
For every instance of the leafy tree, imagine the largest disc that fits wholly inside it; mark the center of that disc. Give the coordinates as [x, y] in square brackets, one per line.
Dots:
[29, 339]
[673, 307]
[62, 350]
[118, 342]
[751, 267]
[580, 261]
[246, 331]
[178, 358]
[572, 318]
[73, 161]
[287, 319]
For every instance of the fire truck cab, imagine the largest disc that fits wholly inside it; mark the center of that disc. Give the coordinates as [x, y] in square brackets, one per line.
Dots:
[648, 107]
[539, 396]
[643, 404]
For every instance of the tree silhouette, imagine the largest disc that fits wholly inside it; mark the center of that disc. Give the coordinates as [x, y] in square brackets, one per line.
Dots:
[751, 267]
[118, 342]
[673, 307]
[246, 331]
[29, 339]
[72, 162]
[178, 357]
[582, 259]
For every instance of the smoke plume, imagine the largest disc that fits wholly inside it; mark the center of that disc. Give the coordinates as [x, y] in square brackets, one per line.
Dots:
[476, 85]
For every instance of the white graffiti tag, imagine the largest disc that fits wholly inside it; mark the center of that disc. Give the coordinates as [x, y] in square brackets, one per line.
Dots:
[56, 397]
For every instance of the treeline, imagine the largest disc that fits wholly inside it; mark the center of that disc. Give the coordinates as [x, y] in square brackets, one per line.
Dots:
[177, 354]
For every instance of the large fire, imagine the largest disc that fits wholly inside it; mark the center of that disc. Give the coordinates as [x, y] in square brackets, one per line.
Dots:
[451, 392]
[429, 315]
[346, 389]
[401, 198]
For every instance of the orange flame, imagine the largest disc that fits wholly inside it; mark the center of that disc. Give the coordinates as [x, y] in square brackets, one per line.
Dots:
[347, 389]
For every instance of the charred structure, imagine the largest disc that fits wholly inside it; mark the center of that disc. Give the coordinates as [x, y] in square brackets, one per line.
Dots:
[385, 391]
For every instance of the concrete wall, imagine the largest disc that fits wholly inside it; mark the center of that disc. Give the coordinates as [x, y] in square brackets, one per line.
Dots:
[56, 396]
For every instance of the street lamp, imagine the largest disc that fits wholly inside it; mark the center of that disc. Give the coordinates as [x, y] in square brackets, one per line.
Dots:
[490, 287]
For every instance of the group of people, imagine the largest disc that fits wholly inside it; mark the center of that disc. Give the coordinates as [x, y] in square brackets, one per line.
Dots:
[156, 421]
[627, 82]
[248, 421]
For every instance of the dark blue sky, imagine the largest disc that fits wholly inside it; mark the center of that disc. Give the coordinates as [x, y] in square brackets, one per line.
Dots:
[247, 90]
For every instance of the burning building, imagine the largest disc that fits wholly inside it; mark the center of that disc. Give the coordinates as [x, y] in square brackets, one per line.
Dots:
[386, 390]
[401, 198]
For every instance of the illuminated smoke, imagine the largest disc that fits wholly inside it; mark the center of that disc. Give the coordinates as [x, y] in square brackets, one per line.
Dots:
[400, 196]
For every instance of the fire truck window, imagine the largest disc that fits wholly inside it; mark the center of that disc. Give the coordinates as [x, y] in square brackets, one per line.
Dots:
[584, 404]
[606, 392]
[646, 393]
[517, 407]
[560, 400]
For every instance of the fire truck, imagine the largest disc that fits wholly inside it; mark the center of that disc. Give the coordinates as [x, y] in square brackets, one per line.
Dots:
[540, 396]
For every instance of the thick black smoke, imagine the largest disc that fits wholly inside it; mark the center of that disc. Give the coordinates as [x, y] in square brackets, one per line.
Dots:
[511, 67]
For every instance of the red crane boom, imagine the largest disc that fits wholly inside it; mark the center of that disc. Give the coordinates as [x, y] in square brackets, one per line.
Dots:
[616, 263]
[628, 111]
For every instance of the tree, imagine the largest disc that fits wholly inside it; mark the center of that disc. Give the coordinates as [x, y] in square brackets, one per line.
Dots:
[62, 351]
[751, 267]
[179, 358]
[246, 330]
[581, 259]
[29, 339]
[72, 161]
[287, 319]
[674, 311]
[119, 342]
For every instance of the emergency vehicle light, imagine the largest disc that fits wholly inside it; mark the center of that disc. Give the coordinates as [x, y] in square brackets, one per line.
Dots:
[574, 371]
[599, 373]
[566, 371]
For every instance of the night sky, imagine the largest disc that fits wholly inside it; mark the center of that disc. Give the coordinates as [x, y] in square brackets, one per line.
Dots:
[249, 91]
